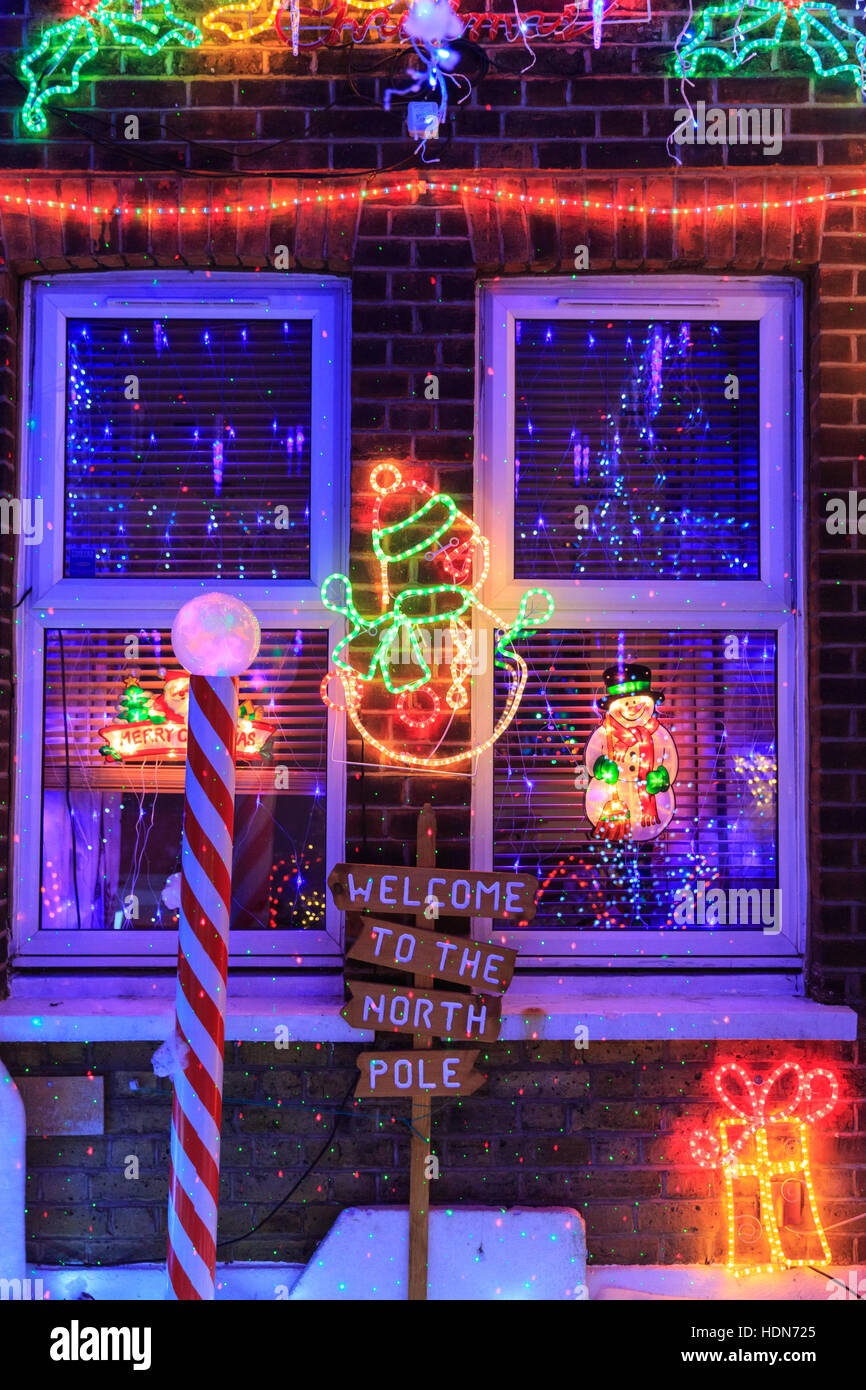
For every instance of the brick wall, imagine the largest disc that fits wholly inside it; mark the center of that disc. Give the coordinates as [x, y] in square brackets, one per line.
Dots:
[605, 1130]
[216, 124]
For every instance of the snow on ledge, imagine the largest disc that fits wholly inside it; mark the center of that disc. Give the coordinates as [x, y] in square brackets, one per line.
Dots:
[144, 1020]
[664, 1016]
[266, 1282]
[527, 1016]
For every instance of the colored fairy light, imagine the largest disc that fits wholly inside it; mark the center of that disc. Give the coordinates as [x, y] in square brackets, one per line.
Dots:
[756, 1141]
[759, 27]
[145, 25]
[548, 203]
[413, 617]
[218, 459]
[759, 771]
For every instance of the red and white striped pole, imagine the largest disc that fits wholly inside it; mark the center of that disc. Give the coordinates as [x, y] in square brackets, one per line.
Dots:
[216, 638]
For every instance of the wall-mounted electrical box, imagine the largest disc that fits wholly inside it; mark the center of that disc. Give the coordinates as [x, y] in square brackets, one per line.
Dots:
[423, 120]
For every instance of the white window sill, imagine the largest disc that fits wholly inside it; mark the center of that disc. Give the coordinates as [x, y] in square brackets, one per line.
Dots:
[528, 1015]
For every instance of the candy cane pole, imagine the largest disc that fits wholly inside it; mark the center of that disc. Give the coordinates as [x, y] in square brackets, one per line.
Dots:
[216, 638]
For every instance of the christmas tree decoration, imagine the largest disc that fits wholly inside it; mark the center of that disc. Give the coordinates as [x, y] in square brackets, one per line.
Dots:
[632, 760]
[420, 644]
[835, 47]
[762, 1148]
[199, 635]
[54, 66]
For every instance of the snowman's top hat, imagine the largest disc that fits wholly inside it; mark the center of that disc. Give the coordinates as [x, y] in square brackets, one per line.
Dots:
[633, 679]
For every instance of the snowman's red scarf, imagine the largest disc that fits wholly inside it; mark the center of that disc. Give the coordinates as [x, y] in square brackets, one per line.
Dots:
[621, 739]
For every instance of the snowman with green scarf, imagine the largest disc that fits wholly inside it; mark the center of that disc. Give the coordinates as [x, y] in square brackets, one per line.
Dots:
[632, 760]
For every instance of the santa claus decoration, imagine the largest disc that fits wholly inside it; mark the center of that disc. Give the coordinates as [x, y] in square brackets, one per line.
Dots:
[631, 759]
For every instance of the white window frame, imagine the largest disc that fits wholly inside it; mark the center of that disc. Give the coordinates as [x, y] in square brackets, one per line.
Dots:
[68, 603]
[774, 601]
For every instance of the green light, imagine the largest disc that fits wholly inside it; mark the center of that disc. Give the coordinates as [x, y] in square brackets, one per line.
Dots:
[733, 46]
[396, 633]
[629, 687]
[76, 41]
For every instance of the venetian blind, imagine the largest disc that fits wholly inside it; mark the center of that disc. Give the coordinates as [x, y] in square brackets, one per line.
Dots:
[83, 691]
[719, 706]
[188, 448]
[636, 449]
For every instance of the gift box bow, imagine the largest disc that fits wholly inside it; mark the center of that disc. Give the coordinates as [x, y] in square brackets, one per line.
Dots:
[816, 1094]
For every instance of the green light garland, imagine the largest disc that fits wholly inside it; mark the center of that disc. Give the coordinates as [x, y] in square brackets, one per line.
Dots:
[67, 47]
[373, 644]
[757, 27]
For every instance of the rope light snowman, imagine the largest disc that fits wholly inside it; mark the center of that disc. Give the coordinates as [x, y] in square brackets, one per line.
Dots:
[632, 760]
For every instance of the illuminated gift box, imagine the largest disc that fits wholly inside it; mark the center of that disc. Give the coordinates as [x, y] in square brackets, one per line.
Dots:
[762, 1152]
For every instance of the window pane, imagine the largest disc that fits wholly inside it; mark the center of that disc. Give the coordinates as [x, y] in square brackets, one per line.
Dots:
[636, 449]
[719, 710]
[188, 448]
[123, 808]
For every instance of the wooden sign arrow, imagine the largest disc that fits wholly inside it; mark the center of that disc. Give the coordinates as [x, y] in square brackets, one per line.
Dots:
[456, 959]
[418, 1074]
[404, 1009]
[380, 888]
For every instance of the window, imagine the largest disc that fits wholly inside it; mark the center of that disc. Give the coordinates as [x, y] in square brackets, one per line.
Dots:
[187, 433]
[640, 458]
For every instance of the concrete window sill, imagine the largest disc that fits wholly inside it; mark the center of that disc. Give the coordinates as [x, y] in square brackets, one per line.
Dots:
[651, 1014]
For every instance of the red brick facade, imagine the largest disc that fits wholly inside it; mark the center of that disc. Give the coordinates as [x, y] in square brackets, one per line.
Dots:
[602, 1131]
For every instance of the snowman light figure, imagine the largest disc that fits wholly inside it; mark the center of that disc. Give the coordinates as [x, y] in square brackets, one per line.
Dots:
[632, 759]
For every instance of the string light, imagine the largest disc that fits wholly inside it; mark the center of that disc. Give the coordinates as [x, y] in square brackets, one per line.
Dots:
[549, 203]
[214, 19]
[753, 1122]
[147, 35]
[407, 616]
[759, 770]
[735, 47]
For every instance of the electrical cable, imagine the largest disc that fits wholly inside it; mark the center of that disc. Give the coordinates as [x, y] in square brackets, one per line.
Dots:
[107, 141]
[233, 1240]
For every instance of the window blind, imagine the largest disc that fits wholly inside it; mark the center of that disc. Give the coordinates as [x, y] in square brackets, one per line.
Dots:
[125, 818]
[636, 449]
[719, 706]
[188, 448]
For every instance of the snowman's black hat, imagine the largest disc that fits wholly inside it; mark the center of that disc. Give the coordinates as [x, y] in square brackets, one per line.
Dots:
[633, 679]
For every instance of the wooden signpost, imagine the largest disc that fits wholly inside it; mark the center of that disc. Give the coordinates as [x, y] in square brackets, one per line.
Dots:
[419, 1009]
[404, 1009]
